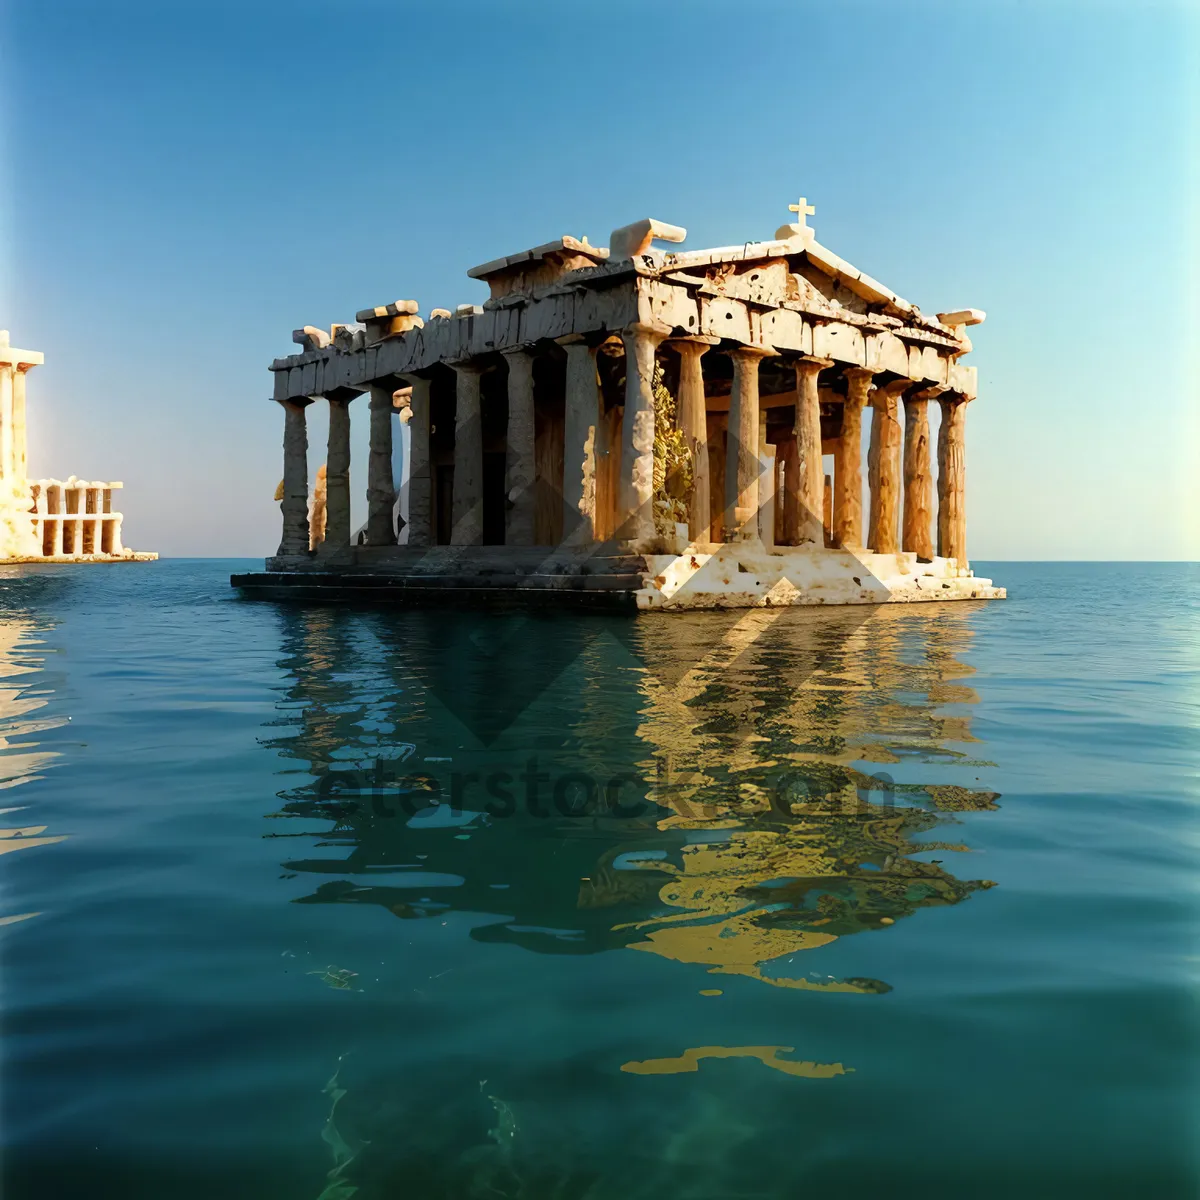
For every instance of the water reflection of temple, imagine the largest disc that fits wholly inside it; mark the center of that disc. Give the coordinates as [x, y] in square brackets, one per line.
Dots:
[766, 743]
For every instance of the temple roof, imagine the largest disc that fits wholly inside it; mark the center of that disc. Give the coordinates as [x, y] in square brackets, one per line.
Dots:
[634, 249]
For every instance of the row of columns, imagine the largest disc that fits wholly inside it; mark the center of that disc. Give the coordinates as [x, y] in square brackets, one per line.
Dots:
[56, 531]
[894, 457]
[804, 479]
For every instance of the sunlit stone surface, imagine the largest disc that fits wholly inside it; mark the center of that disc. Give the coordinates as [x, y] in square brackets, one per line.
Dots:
[635, 426]
[48, 520]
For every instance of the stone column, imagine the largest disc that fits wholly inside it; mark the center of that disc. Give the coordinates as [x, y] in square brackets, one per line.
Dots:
[693, 421]
[789, 500]
[6, 417]
[467, 510]
[337, 477]
[294, 505]
[381, 496]
[884, 466]
[636, 505]
[742, 461]
[420, 473]
[581, 426]
[520, 463]
[767, 498]
[39, 521]
[20, 447]
[809, 501]
[847, 472]
[952, 479]
[918, 482]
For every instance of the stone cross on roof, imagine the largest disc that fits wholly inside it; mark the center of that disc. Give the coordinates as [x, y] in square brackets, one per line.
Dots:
[799, 228]
[802, 210]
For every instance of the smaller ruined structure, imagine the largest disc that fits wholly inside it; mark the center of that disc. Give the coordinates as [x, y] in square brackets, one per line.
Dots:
[48, 520]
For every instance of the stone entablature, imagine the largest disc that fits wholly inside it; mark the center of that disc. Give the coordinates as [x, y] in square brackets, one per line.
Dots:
[760, 302]
[535, 420]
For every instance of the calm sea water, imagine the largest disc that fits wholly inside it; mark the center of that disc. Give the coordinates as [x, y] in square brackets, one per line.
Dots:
[322, 904]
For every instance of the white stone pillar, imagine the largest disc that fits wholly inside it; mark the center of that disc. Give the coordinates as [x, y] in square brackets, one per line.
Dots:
[20, 444]
[636, 506]
[743, 464]
[6, 421]
[294, 505]
[337, 478]
[810, 482]
[693, 422]
[581, 425]
[520, 462]
[420, 470]
[381, 496]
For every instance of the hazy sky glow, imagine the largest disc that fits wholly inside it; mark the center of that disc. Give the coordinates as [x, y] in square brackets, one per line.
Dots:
[186, 183]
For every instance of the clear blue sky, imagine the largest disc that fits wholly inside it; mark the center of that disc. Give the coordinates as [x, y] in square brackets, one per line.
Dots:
[186, 183]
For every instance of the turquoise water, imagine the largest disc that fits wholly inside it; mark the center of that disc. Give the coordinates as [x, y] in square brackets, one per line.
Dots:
[310, 903]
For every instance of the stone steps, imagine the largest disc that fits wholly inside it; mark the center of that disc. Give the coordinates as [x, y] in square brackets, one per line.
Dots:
[608, 591]
[485, 562]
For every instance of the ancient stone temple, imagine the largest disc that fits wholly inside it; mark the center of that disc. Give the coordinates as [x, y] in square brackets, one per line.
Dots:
[48, 520]
[632, 425]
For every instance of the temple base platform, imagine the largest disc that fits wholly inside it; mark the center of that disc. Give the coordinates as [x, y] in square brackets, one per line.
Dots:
[730, 575]
[125, 557]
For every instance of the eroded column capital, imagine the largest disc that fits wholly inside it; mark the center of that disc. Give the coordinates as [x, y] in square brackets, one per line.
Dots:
[695, 345]
[651, 330]
[858, 386]
[577, 346]
[750, 352]
[952, 396]
[884, 395]
[933, 392]
[811, 364]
